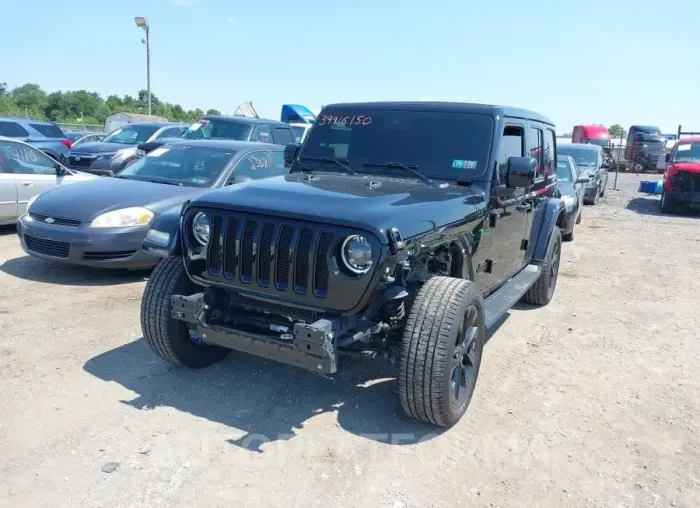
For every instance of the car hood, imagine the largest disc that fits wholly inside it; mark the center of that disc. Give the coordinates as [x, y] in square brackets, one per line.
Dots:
[99, 147]
[371, 203]
[690, 167]
[86, 200]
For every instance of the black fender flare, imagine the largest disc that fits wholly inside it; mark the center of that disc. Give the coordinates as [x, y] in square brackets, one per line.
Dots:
[548, 215]
[166, 223]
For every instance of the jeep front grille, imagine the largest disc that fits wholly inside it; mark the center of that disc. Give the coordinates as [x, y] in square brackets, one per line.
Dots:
[268, 252]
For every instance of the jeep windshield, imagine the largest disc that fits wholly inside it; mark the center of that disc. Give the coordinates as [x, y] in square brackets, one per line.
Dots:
[687, 152]
[442, 145]
[189, 166]
[584, 158]
[599, 142]
[218, 129]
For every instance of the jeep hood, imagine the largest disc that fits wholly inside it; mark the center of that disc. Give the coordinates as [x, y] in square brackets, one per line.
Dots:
[372, 203]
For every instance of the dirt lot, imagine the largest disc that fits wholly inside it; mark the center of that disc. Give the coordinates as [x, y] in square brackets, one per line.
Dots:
[591, 401]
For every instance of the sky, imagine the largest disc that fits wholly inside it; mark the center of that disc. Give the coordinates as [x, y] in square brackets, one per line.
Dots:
[607, 62]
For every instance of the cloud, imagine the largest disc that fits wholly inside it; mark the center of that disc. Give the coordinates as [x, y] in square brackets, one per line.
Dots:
[231, 20]
[183, 3]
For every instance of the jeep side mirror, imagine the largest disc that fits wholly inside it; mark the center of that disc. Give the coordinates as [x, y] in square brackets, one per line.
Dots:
[290, 153]
[668, 157]
[521, 171]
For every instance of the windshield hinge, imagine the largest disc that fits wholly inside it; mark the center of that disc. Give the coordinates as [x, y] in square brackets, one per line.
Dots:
[396, 242]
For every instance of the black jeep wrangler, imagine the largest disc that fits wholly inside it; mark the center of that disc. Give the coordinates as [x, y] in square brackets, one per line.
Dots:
[403, 230]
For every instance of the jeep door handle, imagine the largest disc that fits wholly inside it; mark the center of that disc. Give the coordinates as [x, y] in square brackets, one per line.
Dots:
[27, 184]
[524, 207]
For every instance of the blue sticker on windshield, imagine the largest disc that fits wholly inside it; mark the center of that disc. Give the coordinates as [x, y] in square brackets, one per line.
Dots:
[462, 164]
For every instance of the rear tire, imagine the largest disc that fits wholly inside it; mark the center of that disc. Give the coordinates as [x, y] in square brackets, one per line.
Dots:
[542, 291]
[441, 350]
[169, 338]
[568, 237]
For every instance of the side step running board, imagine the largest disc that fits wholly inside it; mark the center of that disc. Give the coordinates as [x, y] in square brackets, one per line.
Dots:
[502, 300]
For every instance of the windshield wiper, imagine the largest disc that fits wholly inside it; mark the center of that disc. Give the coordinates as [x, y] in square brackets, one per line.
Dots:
[335, 161]
[413, 169]
[166, 182]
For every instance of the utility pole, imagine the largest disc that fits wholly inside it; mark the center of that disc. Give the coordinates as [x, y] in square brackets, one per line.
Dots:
[142, 22]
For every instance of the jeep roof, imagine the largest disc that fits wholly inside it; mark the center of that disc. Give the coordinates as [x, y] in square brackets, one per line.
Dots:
[455, 107]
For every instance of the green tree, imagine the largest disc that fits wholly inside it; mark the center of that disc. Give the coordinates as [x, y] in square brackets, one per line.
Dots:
[213, 112]
[617, 131]
[28, 96]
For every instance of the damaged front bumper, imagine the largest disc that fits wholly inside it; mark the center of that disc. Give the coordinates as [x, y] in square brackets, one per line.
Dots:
[311, 346]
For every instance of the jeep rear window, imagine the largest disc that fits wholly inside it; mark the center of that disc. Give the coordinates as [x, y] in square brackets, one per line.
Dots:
[48, 130]
[440, 144]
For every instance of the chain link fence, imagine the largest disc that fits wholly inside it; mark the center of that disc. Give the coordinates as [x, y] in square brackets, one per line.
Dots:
[81, 127]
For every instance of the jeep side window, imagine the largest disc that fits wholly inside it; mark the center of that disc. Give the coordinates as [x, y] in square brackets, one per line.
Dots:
[550, 150]
[534, 147]
[511, 146]
[262, 134]
[255, 165]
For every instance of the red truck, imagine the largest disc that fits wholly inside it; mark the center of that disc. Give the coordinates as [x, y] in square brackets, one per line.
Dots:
[682, 176]
[591, 134]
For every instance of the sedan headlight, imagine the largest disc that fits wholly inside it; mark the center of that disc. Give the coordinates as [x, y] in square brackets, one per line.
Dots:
[356, 253]
[568, 201]
[200, 228]
[125, 152]
[136, 216]
[104, 157]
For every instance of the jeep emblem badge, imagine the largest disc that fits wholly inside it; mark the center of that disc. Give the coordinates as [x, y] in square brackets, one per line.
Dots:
[49, 220]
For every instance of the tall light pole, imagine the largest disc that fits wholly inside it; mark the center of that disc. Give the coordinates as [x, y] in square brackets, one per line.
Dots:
[142, 22]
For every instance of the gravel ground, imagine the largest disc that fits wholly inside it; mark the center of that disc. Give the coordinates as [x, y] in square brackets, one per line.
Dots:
[590, 401]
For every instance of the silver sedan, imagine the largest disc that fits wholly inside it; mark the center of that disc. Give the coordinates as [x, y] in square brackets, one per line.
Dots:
[24, 173]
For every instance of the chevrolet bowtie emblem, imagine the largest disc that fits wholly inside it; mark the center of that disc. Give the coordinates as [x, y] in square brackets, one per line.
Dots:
[49, 220]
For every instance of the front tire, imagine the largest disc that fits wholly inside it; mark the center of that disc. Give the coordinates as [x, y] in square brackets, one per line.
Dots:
[169, 338]
[667, 204]
[441, 350]
[542, 291]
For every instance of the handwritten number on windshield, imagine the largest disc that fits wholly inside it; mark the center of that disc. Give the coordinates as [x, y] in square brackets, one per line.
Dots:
[362, 120]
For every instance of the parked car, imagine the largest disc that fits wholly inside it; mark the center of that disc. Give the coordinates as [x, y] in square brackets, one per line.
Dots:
[372, 242]
[119, 147]
[571, 190]
[646, 148]
[78, 137]
[46, 136]
[238, 128]
[103, 222]
[591, 161]
[26, 171]
[681, 181]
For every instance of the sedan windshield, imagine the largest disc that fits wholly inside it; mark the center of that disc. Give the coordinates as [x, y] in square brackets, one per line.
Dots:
[563, 171]
[131, 134]
[583, 157]
[687, 152]
[436, 144]
[218, 129]
[191, 166]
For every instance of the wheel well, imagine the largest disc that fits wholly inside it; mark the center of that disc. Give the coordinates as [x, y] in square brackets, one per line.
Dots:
[50, 154]
[560, 219]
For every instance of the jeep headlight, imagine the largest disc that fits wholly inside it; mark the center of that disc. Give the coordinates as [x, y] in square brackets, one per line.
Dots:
[356, 253]
[136, 216]
[200, 228]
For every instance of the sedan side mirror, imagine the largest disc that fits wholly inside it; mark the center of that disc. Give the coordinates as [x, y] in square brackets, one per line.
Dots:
[290, 153]
[583, 179]
[60, 170]
[521, 171]
[605, 165]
